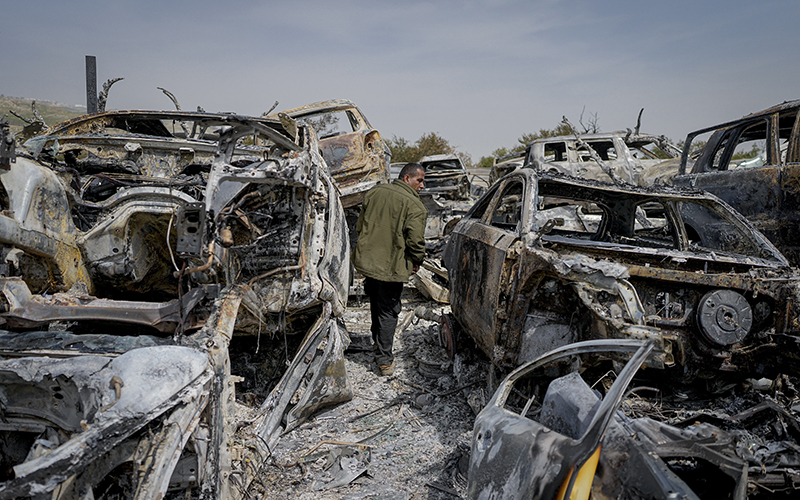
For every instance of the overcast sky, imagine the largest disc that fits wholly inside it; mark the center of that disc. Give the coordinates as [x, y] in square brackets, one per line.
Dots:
[480, 74]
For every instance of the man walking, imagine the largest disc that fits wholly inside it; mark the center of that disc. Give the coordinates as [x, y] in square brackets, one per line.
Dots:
[390, 248]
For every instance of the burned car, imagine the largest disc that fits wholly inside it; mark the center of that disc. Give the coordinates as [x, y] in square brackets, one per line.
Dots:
[356, 155]
[753, 163]
[547, 434]
[446, 176]
[138, 249]
[546, 260]
[634, 158]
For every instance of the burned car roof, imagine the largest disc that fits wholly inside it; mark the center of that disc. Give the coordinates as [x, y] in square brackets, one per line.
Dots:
[784, 106]
[140, 252]
[545, 260]
[168, 124]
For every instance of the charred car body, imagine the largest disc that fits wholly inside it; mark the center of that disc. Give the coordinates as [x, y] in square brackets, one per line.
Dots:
[546, 434]
[753, 163]
[633, 158]
[137, 246]
[515, 456]
[356, 155]
[546, 260]
[446, 176]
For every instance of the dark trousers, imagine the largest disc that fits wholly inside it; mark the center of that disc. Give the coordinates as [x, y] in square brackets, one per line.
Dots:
[384, 304]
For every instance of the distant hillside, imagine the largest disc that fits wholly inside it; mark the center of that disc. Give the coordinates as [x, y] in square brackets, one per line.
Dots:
[52, 112]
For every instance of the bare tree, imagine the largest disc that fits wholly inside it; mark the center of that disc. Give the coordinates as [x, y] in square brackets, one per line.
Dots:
[592, 125]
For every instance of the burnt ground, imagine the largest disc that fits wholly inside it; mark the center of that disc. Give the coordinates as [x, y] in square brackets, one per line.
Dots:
[405, 436]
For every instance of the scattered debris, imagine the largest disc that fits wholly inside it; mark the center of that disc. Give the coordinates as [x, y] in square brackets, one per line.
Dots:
[431, 281]
[414, 429]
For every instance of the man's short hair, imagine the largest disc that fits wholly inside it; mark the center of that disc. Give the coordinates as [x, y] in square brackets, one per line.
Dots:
[410, 169]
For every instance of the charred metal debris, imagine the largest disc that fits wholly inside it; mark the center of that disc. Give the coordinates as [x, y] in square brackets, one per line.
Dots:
[138, 250]
[557, 427]
[7, 146]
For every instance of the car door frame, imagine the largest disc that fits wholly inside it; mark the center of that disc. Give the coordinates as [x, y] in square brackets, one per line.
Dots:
[479, 273]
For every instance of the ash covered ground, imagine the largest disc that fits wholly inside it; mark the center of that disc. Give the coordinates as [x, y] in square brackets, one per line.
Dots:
[401, 437]
[407, 436]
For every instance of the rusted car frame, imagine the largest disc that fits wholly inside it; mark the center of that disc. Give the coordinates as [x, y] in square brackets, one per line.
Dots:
[356, 154]
[137, 246]
[545, 260]
[753, 163]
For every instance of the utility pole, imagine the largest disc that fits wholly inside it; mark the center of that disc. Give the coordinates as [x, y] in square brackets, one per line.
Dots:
[91, 84]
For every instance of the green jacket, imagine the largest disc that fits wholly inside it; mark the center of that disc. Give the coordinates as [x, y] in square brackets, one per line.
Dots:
[391, 232]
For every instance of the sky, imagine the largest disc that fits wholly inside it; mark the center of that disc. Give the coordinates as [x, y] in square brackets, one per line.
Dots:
[479, 73]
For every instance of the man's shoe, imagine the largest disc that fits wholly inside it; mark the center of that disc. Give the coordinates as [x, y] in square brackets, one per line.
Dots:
[387, 370]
